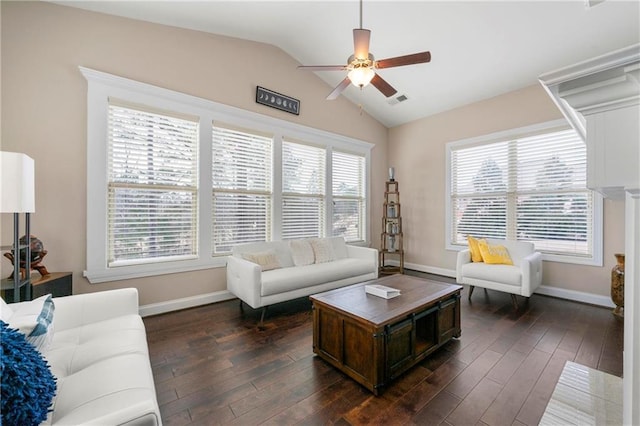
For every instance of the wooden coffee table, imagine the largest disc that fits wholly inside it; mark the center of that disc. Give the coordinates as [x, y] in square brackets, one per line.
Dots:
[373, 340]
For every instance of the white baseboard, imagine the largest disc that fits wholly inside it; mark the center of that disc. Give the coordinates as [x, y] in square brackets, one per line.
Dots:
[184, 303]
[221, 296]
[431, 269]
[561, 293]
[576, 296]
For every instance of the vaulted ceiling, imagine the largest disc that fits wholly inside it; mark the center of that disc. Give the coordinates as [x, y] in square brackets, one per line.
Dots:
[479, 49]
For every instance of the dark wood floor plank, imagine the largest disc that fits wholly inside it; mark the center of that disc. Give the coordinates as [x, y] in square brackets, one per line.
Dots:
[436, 410]
[212, 365]
[473, 374]
[611, 357]
[535, 404]
[315, 403]
[506, 366]
[475, 404]
[509, 402]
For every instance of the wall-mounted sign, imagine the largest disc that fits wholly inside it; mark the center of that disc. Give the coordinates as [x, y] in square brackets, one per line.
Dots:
[276, 100]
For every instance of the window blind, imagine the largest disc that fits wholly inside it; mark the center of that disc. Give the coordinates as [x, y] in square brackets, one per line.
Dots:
[303, 191]
[348, 186]
[242, 188]
[531, 189]
[152, 186]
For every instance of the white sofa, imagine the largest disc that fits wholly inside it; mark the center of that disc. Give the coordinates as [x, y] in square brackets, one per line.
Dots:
[522, 278]
[258, 288]
[100, 358]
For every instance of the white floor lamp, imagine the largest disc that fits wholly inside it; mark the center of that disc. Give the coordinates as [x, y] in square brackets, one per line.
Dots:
[17, 195]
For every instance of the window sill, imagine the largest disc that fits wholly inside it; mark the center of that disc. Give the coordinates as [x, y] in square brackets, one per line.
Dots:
[97, 276]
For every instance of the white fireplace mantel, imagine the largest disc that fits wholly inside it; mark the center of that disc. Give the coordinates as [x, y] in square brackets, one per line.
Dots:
[601, 100]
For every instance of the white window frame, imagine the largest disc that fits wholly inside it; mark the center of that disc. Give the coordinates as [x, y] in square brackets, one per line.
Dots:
[364, 219]
[548, 127]
[101, 86]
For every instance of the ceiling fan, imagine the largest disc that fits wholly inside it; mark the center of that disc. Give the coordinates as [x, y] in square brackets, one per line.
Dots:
[361, 65]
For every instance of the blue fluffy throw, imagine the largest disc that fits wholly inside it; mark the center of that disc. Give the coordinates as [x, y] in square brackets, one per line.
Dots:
[28, 386]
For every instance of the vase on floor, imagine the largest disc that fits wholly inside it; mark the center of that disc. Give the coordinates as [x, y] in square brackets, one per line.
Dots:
[617, 285]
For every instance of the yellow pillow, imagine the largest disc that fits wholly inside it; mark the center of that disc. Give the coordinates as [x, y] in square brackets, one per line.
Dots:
[476, 256]
[494, 254]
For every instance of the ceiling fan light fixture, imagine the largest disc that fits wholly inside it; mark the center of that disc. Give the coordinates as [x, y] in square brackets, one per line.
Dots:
[361, 76]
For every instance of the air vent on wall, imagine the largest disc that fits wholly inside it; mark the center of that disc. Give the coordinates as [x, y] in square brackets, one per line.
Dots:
[397, 99]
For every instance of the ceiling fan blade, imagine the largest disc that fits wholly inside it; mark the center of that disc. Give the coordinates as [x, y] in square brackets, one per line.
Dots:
[384, 87]
[361, 39]
[339, 88]
[323, 67]
[416, 58]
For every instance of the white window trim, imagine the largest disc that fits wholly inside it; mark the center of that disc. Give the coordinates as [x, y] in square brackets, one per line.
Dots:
[101, 86]
[547, 127]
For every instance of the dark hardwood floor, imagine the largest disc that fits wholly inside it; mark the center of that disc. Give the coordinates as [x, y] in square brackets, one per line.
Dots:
[212, 365]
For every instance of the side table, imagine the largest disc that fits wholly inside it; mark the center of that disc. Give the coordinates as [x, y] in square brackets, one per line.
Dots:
[56, 283]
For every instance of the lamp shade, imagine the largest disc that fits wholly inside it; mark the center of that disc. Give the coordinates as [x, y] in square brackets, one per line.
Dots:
[17, 183]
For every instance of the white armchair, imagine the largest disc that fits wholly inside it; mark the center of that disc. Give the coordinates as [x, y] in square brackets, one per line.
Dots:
[522, 278]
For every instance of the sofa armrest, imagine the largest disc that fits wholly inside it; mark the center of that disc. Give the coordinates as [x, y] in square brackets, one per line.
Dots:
[244, 280]
[464, 257]
[365, 253]
[81, 309]
[531, 273]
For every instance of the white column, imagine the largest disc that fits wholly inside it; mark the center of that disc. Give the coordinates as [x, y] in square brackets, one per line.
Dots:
[631, 359]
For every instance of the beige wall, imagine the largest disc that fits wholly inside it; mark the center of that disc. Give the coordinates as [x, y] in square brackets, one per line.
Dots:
[44, 114]
[417, 150]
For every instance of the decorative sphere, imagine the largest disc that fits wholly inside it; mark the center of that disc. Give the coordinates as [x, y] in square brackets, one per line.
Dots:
[36, 247]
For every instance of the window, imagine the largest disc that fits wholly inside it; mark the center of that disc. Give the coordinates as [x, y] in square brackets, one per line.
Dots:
[174, 181]
[152, 186]
[241, 188]
[530, 188]
[303, 191]
[349, 203]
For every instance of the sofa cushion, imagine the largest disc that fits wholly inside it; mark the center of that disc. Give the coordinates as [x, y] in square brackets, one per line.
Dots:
[288, 279]
[518, 250]
[281, 248]
[322, 250]
[113, 391]
[266, 259]
[301, 252]
[77, 348]
[505, 274]
[339, 247]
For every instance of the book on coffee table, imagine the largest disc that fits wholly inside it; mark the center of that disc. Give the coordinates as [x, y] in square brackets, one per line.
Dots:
[382, 291]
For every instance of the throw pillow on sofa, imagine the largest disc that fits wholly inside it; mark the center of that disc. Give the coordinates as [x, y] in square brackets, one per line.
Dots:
[474, 248]
[28, 386]
[301, 252]
[323, 250]
[494, 254]
[34, 319]
[267, 260]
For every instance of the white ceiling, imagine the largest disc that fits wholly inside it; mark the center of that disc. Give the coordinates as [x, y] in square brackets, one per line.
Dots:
[479, 49]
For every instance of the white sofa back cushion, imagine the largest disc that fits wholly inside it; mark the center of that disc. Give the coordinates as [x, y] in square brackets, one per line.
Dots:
[281, 248]
[284, 250]
[301, 252]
